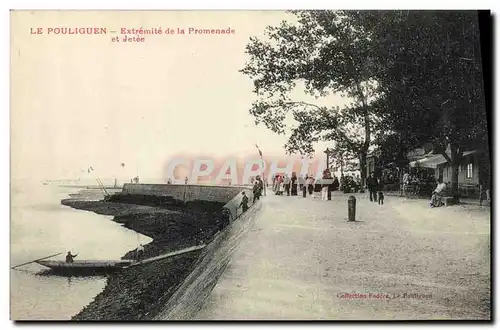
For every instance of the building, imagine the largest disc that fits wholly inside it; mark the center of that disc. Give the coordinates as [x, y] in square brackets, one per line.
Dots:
[473, 170]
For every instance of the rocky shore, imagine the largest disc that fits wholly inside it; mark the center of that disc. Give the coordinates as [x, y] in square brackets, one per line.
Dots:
[137, 293]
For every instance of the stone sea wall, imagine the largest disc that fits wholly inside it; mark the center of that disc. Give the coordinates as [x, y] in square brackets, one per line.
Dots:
[184, 193]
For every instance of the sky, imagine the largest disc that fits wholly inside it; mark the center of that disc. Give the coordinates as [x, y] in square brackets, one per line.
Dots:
[82, 100]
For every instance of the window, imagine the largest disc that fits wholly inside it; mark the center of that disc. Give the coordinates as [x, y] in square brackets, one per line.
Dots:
[469, 170]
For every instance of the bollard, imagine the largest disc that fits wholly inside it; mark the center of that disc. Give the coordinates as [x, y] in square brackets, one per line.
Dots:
[329, 193]
[351, 208]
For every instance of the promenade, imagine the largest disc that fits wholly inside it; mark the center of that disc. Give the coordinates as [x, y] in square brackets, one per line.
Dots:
[301, 259]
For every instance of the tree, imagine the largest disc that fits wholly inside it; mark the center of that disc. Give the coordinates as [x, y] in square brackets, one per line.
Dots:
[343, 158]
[430, 76]
[327, 53]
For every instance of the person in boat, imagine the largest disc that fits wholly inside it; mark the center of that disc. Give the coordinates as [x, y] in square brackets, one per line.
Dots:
[69, 257]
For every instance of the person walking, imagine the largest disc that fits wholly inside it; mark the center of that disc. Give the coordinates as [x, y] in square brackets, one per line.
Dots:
[301, 182]
[277, 185]
[294, 184]
[310, 185]
[405, 185]
[336, 184]
[304, 186]
[258, 188]
[329, 185]
[286, 182]
[256, 192]
[281, 189]
[244, 202]
[324, 186]
[372, 185]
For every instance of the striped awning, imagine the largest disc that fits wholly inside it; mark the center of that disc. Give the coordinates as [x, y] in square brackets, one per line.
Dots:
[433, 161]
[429, 162]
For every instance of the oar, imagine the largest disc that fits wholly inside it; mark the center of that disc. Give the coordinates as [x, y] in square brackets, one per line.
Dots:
[35, 260]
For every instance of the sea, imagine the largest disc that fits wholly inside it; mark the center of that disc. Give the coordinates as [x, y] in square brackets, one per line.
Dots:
[40, 226]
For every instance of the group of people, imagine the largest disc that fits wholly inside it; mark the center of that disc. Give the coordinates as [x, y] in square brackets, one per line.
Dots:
[283, 184]
[258, 187]
[350, 183]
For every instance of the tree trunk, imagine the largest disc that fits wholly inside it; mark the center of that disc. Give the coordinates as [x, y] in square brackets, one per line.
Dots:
[455, 158]
[362, 167]
[366, 144]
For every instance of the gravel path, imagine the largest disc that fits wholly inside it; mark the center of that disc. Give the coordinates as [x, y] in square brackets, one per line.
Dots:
[402, 260]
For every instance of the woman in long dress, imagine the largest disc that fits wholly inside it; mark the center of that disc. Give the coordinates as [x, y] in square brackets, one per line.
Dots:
[276, 187]
[324, 186]
[281, 186]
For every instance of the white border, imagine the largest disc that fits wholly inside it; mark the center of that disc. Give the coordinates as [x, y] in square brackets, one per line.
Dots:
[255, 4]
[148, 4]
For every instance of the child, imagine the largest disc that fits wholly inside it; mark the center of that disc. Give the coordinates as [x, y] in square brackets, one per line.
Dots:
[380, 198]
[281, 188]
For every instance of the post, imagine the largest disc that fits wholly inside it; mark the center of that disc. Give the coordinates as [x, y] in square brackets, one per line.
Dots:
[327, 153]
[262, 163]
[351, 208]
[263, 182]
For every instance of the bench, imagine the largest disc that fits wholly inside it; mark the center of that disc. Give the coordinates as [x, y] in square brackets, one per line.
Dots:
[448, 200]
[484, 192]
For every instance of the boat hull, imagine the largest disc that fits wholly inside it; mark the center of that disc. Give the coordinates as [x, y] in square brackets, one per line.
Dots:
[85, 267]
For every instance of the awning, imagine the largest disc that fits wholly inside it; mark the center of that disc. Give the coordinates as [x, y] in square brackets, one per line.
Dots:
[429, 162]
[433, 161]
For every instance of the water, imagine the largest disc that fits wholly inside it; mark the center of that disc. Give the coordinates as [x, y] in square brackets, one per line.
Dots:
[41, 226]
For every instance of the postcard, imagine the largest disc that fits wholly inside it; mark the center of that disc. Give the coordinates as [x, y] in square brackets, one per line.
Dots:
[250, 165]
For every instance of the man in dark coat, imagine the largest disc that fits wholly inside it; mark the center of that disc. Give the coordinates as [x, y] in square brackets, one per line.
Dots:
[244, 202]
[372, 185]
[256, 191]
[294, 184]
[69, 257]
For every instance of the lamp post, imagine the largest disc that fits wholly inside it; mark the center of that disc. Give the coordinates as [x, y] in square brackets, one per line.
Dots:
[327, 152]
[262, 162]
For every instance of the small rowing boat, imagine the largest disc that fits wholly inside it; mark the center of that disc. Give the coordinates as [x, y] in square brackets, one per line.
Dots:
[85, 266]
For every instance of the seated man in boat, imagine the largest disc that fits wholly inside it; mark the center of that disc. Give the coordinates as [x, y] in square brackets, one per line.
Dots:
[69, 257]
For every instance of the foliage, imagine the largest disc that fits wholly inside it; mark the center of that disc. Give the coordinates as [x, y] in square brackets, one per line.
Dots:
[324, 53]
[430, 74]
[413, 76]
